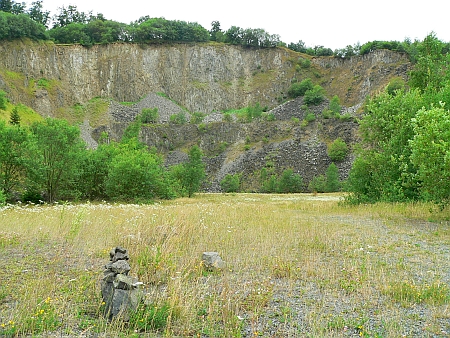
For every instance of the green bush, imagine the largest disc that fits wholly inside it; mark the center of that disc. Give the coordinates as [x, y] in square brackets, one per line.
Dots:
[149, 115]
[300, 88]
[338, 150]
[332, 179]
[310, 117]
[314, 96]
[318, 184]
[197, 118]
[179, 118]
[304, 63]
[396, 83]
[230, 183]
[289, 182]
[335, 105]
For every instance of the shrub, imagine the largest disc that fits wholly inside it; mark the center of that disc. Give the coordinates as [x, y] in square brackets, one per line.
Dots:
[228, 117]
[299, 89]
[335, 105]
[338, 150]
[289, 182]
[397, 83]
[304, 63]
[310, 117]
[230, 183]
[332, 179]
[149, 115]
[314, 96]
[318, 184]
[197, 117]
[179, 118]
[268, 116]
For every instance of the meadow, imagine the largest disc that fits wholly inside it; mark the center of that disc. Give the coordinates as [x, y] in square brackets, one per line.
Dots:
[297, 265]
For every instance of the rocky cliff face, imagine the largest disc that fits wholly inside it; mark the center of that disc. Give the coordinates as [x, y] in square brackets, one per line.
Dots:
[202, 78]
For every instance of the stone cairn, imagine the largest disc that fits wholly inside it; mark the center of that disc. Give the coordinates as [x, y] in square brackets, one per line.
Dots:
[120, 292]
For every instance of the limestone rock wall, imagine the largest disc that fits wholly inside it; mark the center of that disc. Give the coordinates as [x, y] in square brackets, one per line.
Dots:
[200, 77]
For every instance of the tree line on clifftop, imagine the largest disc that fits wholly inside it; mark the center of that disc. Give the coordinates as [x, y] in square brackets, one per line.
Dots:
[71, 26]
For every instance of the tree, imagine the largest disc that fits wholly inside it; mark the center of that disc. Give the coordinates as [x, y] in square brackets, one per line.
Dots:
[6, 5]
[136, 174]
[14, 117]
[190, 175]
[431, 71]
[230, 183]
[215, 32]
[332, 179]
[14, 155]
[37, 14]
[338, 150]
[289, 182]
[56, 160]
[430, 153]
[335, 105]
[314, 96]
[300, 88]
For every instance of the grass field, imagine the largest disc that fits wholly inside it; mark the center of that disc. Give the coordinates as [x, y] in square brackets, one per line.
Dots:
[296, 266]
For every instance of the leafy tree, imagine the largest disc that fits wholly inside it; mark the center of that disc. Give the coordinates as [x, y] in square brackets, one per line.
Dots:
[289, 182]
[6, 5]
[318, 184]
[69, 15]
[71, 33]
[300, 88]
[20, 26]
[96, 164]
[135, 174]
[338, 150]
[298, 47]
[190, 175]
[430, 153]
[56, 162]
[14, 153]
[215, 32]
[36, 13]
[314, 96]
[332, 179]
[431, 72]
[230, 183]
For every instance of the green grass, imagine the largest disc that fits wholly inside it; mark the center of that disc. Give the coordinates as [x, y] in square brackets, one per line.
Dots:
[296, 265]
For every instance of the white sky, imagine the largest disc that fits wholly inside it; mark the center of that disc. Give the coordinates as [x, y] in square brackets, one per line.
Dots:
[331, 23]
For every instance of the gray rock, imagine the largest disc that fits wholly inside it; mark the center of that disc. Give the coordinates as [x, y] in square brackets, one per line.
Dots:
[120, 267]
[123, 282]
[212, 261]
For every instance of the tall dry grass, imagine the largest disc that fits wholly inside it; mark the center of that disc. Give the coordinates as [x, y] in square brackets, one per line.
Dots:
[295, 265]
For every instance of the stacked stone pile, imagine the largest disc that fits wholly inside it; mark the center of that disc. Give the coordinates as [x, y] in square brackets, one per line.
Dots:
[120, 292]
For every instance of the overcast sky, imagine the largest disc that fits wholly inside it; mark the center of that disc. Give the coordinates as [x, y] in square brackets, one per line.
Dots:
[330, 23]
